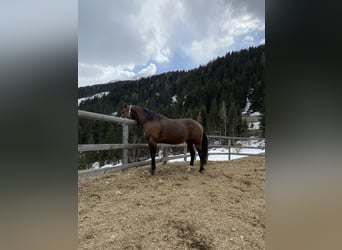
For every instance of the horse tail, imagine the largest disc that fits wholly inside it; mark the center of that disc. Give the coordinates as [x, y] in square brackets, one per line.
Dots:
[205, 147]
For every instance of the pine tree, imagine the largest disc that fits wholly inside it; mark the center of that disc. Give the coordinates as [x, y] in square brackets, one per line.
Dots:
[223, 116]
[233, 119]
[213, 116]
[199, 117]
[204, 117]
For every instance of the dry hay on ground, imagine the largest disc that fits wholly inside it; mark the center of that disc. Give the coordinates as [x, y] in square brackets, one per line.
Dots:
[224, 208]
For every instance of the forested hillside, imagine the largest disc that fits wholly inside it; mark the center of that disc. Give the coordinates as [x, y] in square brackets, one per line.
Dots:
[213, 94]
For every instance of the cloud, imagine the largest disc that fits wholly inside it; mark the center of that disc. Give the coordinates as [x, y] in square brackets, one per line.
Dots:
[148, 71]
[153, 30]
[114, 34]
[248, 40]
[232, 23]
[93, 74]
[262, 41]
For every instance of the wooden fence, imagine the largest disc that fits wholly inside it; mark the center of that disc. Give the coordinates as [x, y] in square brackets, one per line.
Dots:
[228, 142]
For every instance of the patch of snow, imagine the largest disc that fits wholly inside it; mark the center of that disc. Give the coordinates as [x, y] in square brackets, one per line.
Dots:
[253, 125]
[95, 165]
[246, 109]
[184, 99]
[252, 142]
[157, 94]
[221, 157]
[257, 113]
[174, 99]
[107, 166]
[98, 95]
[119, 163]
[115, 114]
[217, 142]
[248, 143]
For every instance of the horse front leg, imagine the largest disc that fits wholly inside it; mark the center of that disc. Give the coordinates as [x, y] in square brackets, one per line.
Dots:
[153, 150]
[192, 154]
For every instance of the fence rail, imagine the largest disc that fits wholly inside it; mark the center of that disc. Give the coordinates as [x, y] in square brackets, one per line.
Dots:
[106, 118]
[99, 147]
[124, 146]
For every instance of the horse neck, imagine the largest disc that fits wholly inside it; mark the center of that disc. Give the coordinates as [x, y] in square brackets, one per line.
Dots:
[139, 115]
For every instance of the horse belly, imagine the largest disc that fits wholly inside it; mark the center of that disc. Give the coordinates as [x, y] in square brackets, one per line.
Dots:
[172, 140]
[173, 135]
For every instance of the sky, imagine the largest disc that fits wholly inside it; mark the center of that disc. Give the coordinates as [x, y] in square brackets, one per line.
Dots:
[127, 40]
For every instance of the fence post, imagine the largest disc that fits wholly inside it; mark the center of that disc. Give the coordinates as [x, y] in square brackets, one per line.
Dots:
[229, 147]
[125, 141]
[185, 152]
[165, 154]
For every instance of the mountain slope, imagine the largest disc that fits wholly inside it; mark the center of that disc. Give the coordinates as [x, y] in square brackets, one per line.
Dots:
[215, 94]
[227, 79]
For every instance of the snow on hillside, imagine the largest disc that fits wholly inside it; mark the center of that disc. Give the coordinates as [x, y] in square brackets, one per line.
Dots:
[246, 109]
[254, 126]
[98, 95]
[257, 113]
[174, 99]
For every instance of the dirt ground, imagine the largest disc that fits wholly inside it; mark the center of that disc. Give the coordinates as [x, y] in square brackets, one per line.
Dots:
[223, 208]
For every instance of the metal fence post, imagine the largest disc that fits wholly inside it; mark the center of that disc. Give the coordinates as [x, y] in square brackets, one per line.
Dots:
[229, 147]
[165, 154]
[185, 152]
[125, 141]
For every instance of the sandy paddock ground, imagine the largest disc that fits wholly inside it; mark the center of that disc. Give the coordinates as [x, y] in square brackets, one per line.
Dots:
[223, 208]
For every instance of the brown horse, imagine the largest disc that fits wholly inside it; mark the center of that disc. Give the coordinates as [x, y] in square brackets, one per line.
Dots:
[160, 129]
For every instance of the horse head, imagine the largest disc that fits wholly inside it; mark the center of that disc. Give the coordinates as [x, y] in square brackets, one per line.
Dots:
[126, 111]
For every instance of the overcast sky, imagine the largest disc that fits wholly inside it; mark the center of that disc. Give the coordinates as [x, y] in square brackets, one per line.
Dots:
[129, 39]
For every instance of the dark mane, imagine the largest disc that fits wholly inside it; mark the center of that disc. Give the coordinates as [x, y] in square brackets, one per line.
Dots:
[150, 115]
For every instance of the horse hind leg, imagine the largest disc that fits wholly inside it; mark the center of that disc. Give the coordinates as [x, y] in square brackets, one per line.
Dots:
[202, 150]
[153, 150]
[201, 155]
[192, 154]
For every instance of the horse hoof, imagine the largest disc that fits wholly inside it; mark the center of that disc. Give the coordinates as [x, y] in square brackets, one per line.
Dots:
[189, 169]
[201, 171]
[151, 173]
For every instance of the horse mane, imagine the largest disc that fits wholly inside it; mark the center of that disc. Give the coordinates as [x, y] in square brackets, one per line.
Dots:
[150, 115]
